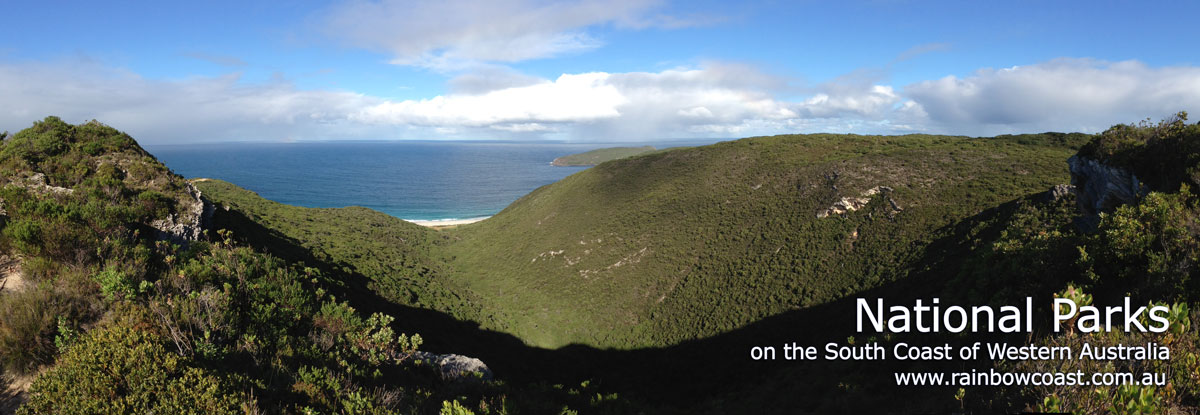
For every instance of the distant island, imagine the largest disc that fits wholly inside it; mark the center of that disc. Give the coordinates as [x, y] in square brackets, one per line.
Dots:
[600, 155]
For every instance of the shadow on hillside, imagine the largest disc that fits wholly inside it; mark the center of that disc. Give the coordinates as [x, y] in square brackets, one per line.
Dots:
[698, 371]
[12, 394]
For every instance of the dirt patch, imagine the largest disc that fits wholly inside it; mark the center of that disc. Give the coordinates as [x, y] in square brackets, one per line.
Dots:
[13, 394]
[11, 278]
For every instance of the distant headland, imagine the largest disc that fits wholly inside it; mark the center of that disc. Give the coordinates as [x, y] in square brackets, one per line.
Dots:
[597, 156]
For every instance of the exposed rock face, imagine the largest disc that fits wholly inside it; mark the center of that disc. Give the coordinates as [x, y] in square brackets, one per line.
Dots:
[1058, 192]
[193, 217]
[1101, 188]
[37, 183]
[850, 204]
[455, 367]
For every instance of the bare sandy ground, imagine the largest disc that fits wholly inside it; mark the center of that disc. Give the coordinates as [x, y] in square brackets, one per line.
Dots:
[13, 392]
[10, 274]
[446, 222]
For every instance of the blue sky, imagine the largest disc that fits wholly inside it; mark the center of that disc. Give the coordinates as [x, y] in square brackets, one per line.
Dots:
[624, 70]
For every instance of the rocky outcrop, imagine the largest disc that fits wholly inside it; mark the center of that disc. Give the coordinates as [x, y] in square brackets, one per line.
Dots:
[1058, 192]
[850, 204]
[193, 215]
[37, 184]
[1100, 187]
[453, 367]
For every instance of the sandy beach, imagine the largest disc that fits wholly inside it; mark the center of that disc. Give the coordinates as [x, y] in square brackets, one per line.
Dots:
[446, 222]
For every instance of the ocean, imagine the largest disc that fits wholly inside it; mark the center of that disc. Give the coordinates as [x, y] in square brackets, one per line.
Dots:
[415, 180]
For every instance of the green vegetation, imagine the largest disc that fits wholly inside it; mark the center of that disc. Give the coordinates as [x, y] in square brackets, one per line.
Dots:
[1147, 251]
[118, 369]
[628, 287]
[597, 156]
[398, 259]
[621, 254]
[1027, 247]
[618, 255]
[112, 319]
[1163, 154]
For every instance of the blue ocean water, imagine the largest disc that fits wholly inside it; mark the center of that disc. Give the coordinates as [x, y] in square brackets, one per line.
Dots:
[419, 180]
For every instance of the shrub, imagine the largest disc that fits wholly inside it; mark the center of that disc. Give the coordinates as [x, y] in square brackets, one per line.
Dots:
[1150, 249]
[372, 340]
[118, 369]
[31, 319]
[27, 328]
[25, 235]
[454, 408]
[154, 204]
[115, 285]
[49, 144]
[1163, 155]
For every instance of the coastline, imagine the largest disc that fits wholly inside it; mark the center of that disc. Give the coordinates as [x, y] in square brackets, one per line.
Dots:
[437, 223]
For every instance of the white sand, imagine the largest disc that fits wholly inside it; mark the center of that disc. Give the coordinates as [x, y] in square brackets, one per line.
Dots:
[446, 222]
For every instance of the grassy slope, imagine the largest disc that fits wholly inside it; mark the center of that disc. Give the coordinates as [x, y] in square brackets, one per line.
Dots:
[684, 243]
[397, 257]
[597, 156]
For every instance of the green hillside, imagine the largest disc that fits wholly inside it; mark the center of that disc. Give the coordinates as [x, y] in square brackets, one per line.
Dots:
[688, 243]
[111, 303]
[619, 255]
[396, 258]
[597, 156]
[635, 286]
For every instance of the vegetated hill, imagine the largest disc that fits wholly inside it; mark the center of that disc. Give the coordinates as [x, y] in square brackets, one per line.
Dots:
[113, 301]
[771, 238]
[688, 243]
[399, 260]
[777, 255]
[597, 156]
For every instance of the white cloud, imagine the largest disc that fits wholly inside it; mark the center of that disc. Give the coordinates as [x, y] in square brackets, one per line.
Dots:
[455, 34]
[1062, 95]
[868, 101]
[714, 100]
[570, 98]
[195, 109]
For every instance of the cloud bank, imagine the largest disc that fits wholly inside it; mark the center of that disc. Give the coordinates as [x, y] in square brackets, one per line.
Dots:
[712, 100]
[1065, 94]
[453, 34]
[160, 111]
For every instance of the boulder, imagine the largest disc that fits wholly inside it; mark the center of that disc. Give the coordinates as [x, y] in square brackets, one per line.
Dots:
[1058, 192]
[453, 367]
